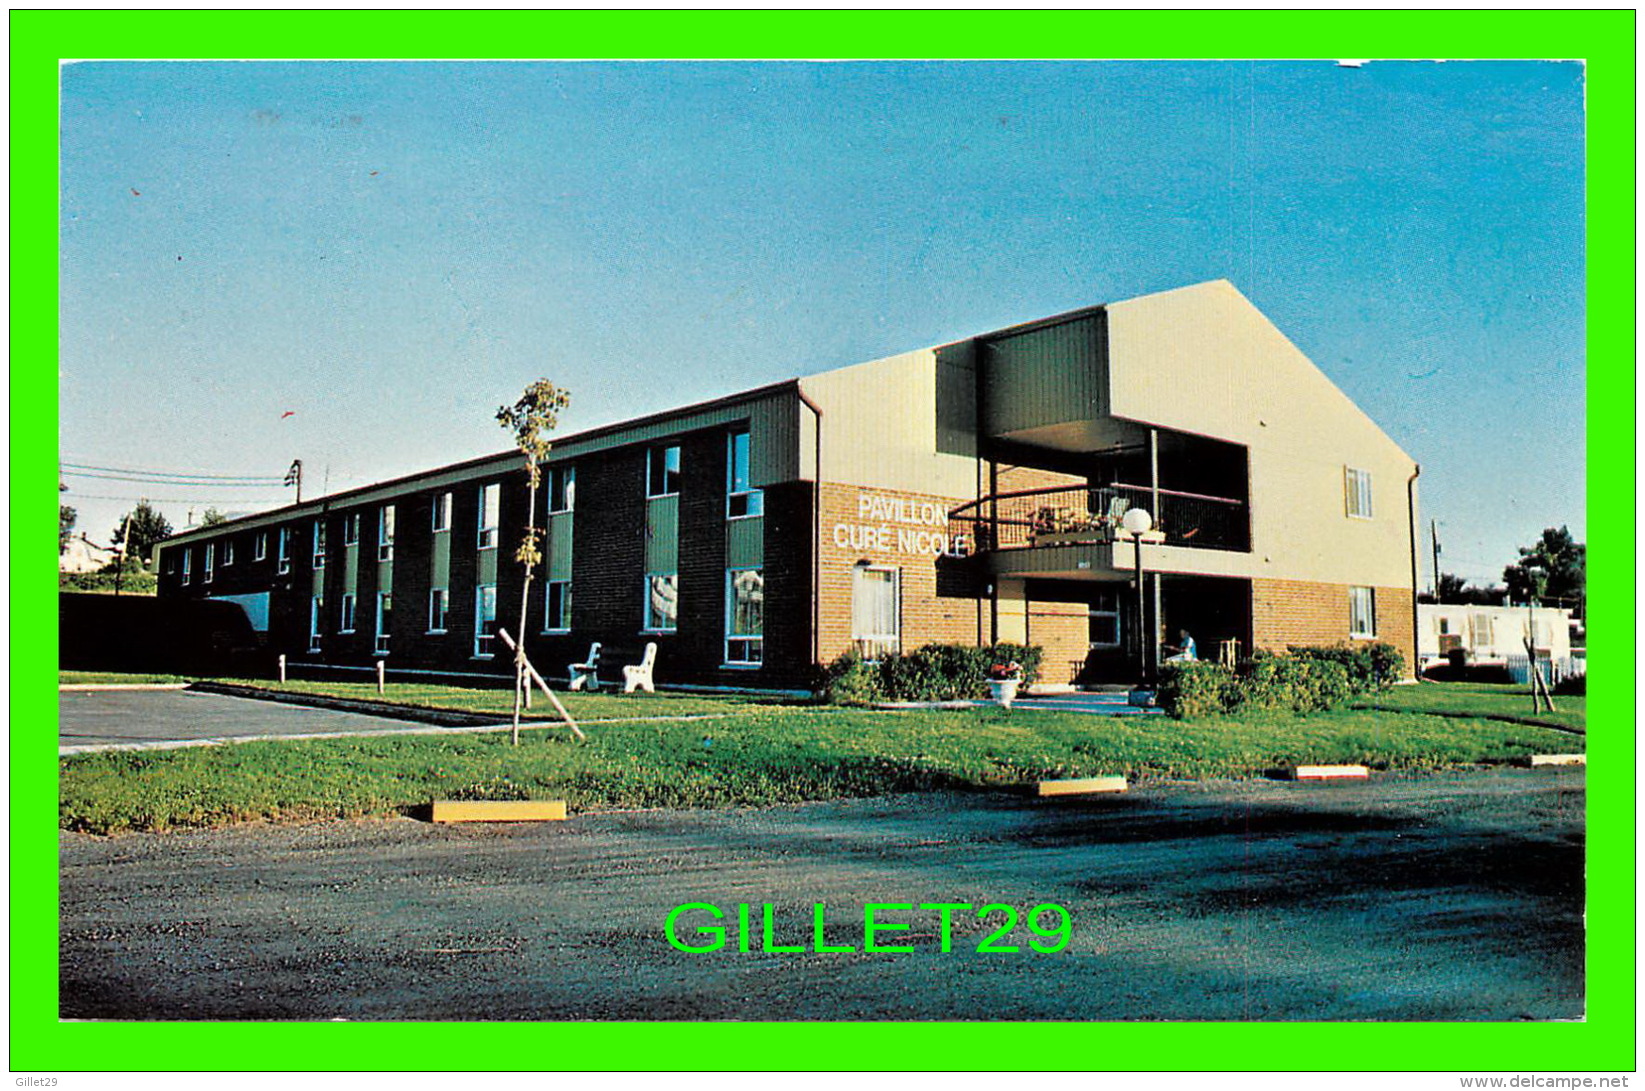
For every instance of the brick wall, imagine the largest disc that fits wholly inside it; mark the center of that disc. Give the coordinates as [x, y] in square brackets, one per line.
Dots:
[849, 536]
[1285, 612]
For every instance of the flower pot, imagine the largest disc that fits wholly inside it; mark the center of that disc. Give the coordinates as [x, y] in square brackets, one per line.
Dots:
[1005, 690]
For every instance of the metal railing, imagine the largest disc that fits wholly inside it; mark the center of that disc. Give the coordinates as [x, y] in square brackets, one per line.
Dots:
[1080, 514]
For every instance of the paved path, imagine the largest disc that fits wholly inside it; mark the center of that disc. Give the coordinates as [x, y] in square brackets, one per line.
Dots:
[104, 719]
[1456, 896]
[1097, 704]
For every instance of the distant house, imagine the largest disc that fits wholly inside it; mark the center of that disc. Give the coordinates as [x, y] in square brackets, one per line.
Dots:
[84, 555]
[1494, 636]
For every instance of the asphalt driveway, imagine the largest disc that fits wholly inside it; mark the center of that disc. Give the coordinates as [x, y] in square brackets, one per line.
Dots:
[1454, 896]
[96, 719]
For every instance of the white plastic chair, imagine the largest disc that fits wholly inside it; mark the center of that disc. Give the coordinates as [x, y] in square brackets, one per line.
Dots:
[587, 675]
[638, 676]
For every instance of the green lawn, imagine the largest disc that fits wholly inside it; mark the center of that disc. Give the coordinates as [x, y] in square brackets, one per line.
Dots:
[108, 678]
[1477, 699]
[594, 707]
[756, 755]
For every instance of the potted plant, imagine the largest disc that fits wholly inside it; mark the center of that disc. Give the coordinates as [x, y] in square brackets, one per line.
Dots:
[1003, 680]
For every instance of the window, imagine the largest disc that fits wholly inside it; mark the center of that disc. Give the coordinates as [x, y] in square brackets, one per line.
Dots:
[1362, 612]
[385, 610]
[1357, 484]
[562, 488]
[284, 561]
[1484, 637]
[742, 500]
[485, 618]
[744, 616]
[188, 555]
[557, 608]
[875, 621]
[228, 552]
[347, 625]
[663, 471]
[662, 602]
[319, 543]
[438, 604]
[442, 512]
[1105, 618]
[316, 611]
[490, 501]
[259, 546]
[351, 529]
[385, 533]
[211, 562]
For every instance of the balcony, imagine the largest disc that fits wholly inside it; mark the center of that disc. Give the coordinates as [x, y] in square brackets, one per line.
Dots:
[1086, 515]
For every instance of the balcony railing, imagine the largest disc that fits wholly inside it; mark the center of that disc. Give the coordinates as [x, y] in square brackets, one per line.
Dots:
[1080, 515]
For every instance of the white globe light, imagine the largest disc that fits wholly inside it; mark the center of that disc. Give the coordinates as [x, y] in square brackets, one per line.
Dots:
[1137, 521]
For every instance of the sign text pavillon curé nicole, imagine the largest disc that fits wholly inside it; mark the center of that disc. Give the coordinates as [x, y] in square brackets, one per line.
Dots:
[894, 523]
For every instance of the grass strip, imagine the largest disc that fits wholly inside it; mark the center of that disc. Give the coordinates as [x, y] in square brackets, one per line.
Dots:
[760, 756]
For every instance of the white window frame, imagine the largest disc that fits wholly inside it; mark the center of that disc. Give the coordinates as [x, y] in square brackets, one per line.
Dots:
[648, 625]
[1356, 485]
[483, 638]
[567, 476]
[351, 529]
[259, 546]
[750, 499]
[878, 643]
[751, 642]
[440, 513]
[228, 551]
[319, 543]
[383, 635]
[443, 614]
[188, 555]
[385, 533]
[208, 569]
[316, 618]
[1099, 609]
[1362, 608]
[651, 457]
[345, 615]
[282, 563]
[548, 606]
[491, 508]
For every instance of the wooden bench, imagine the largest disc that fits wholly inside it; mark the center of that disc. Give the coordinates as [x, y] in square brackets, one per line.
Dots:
[586, 675]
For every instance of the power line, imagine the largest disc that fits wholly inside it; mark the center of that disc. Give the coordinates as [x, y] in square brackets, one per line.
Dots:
[207, 483]
[179, 499]
[88, 469]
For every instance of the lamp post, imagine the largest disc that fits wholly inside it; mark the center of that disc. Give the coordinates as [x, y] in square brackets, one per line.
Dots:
[1138, 522]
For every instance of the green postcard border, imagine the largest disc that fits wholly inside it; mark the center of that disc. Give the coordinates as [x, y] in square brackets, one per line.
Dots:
[1605, 1041]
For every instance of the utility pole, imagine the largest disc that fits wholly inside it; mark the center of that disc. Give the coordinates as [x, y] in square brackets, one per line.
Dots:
[120, 561]
[1433, 533]
[294, 476]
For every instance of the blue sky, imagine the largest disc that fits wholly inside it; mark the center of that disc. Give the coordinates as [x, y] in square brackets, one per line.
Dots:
[390, 251]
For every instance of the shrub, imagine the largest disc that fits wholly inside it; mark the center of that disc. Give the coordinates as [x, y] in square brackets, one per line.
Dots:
[935, 672]
[1297, 683]
[851, 680]
[1376, 665]
[1387, 664]
[1193, 690]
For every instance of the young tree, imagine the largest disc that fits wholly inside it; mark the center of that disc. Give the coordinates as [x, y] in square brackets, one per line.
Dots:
[212, 517]
[147, 527]
[65, 526]
[530, 419]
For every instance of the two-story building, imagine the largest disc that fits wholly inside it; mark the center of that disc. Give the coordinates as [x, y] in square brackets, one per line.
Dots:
[971, 492]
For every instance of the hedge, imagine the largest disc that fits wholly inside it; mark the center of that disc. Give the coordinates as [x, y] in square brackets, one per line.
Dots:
[935, 672]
